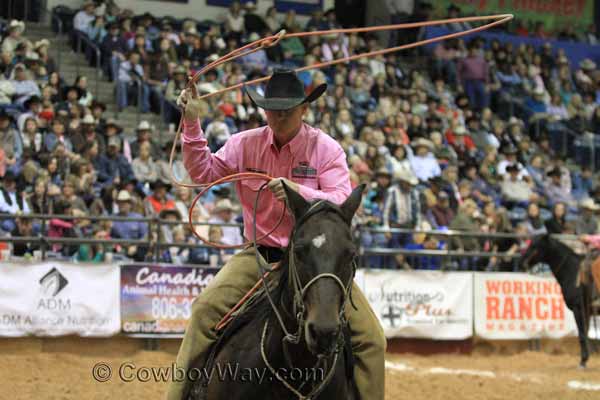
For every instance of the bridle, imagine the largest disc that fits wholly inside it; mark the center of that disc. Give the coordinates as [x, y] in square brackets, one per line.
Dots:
[299, 294]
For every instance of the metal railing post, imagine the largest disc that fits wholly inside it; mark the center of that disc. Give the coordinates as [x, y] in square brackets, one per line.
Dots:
[139, 99]
[157, 242]
[162, 120]
[42, 238]
[98, 69]
[78, 35]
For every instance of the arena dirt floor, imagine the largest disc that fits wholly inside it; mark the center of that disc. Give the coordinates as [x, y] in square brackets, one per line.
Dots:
[61, 369]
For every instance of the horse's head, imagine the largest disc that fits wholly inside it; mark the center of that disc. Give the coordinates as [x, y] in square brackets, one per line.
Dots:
[535, 252]
[321, 265]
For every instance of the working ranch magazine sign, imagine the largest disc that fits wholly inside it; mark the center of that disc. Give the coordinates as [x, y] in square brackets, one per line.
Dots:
[520, 306]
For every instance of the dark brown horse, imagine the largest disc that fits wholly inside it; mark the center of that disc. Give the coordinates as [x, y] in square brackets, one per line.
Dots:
[565, 266]
[314, 361]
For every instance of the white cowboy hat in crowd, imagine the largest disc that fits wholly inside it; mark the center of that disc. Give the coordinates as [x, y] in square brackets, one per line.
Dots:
[422, 142]
[224, 205]
[41, 43]
[18, 25]
[88, 119]
[144, 126]
[460, 130]
[406, 176]
[123, 196]
[589, 204]
[587, 64]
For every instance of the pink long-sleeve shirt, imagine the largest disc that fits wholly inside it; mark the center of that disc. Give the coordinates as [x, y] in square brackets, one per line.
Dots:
[312, 159]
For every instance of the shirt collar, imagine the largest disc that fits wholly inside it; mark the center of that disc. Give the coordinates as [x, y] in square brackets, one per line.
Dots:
[295, 145]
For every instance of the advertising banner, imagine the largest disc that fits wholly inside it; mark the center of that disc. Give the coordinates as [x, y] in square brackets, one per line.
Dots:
[158, 299]
[52, 299]
[520, 306]
[555, 14]
[422, 304]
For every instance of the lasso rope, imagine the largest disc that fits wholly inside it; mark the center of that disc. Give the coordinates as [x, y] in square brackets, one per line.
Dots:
[272, 40]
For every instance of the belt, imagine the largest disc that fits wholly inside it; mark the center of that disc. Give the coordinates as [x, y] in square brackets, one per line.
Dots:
[270, 254]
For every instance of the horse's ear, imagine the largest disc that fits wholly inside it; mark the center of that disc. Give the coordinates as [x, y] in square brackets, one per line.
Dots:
[352, 203]
[296, 203]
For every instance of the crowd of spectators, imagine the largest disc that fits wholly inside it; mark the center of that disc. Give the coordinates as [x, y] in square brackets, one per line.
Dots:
[467, 144]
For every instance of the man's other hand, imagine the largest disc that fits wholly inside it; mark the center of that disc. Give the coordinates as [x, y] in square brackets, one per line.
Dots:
[277, 189]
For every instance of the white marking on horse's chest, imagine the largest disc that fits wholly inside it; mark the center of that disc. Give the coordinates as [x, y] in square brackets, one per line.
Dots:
[318, 241]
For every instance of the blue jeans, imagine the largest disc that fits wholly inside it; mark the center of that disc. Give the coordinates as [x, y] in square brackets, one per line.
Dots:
[123, 91]
[478, 97]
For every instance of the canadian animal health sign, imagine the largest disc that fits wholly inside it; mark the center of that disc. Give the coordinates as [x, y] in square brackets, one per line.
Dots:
[520, 306]
[421, 304]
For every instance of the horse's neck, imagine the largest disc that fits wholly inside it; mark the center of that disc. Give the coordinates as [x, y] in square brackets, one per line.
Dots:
[279, 351]
[560, 258]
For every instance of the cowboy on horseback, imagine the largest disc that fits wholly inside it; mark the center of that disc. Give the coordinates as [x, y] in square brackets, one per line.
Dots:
[307, 161]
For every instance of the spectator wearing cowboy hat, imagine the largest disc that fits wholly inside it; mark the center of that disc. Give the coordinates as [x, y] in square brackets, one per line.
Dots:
[423, 162]
[515, 189]
[24, 86]
[555, 191]
[159, 200]
[84, 17]
[112, 128]
[510, 158]
[14, 38]
[114, 48]
[124, 229]
[440, 214]
[11, 200]
[587, 222]
[118, 168]
[86, 134]
[224, 213]
[462, 143]
[144, 134]
[402, 207]
[312, 165]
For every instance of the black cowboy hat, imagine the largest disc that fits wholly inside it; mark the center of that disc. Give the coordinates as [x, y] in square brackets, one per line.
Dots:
[160, 184]
[283, 92]
[513, 168]
[75, 88]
